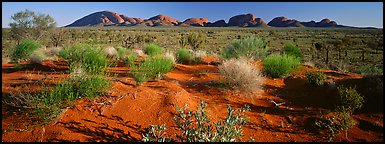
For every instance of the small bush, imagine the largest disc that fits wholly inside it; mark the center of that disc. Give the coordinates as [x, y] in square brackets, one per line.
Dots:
[249, 47]
[153, 49]
[110, 51]
[56, 50]
[156, 134]
[291, 49]
[316, 78]
[336, 123]
[184, 56]
[123, 53]
[131, 58]
[240, 74]
[91, 56]
[152, 67]
[348, 99]
[279, 65]
[24, 49]
[196, 40]
[37, 57]
[367, 70]
[197, 127]
[170, 55]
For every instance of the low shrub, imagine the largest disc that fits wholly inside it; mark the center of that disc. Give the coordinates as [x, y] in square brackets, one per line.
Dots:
[196, 40]
[291, 49]
[334, 124]
[24, 49]
[184, 56]
[37, 57]
[153, 49]
[280, 65]
[367, 70]
[197, 126]
[152, 67]
[348, 99]
[131, 58]
[170, 55]
[91, 56]
[316, 78]
[249, 47]
[110, 51]
[240, 74]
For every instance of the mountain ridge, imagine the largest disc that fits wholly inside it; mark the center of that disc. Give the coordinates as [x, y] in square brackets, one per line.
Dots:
[111, 18]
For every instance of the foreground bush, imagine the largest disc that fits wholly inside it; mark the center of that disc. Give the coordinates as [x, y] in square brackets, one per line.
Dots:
[240, 74]
[316, 78]
[24, 49]
[197, 127]
[291, 49]
[349, 99]
[91, 56]
[184, 56]
[280, 65]
[249, 47]
[336, 123]
[152, 67]
[153, 49]
[37, 57]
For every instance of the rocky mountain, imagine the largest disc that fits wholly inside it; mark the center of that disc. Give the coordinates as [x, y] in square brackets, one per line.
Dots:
[109, 18]
[285, 22]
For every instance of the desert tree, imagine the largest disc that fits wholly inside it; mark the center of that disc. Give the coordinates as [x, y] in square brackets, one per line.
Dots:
[28, 24]
[57, 36]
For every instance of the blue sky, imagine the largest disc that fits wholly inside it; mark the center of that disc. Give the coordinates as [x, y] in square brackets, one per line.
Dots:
[361, 14]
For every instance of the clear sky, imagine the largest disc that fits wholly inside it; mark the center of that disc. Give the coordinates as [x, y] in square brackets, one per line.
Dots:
[360, 14]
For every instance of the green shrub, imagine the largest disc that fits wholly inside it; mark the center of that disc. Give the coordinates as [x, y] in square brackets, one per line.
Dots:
[24, 49]
[197, 127]
[196, 40]
[316, 78]
[336, 123]
[240, 74]
[156, 134]
[249, 47]
[37, 56]
[123, 53]
[348, 99]
[91, 56]
[291, 49]
[279, 65]
[153, 49]
[131, 58]
[152, 67]
[367, 69]
[184, 56]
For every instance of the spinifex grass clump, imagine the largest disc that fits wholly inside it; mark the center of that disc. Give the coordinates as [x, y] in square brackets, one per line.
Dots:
[197, 126]
[37, 56]
[249, 47]
[24, 49]
[152, 67]
[240, 74]
[291, 49]
[91, 56]
[316, 78]
[184, 56]
[280, 65]
[153, 49]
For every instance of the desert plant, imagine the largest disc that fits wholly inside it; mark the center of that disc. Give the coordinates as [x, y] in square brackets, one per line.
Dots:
[170, 55]
[123, 52]
[153, 49]
[334, 124]
[291, 49]
[316, 78]
[24, 49]
[156, 134]
[183, 55]
[131, 58]
[240, 74]
[348, 99]
[37, 57]
[367, 70]
[152, 67]
[249, 47]
[196, 40]
[279, 65]
[110, 51]
[91, 56]
[197, 127]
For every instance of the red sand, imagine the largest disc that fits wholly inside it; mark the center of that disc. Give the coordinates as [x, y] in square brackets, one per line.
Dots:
[128, 110]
